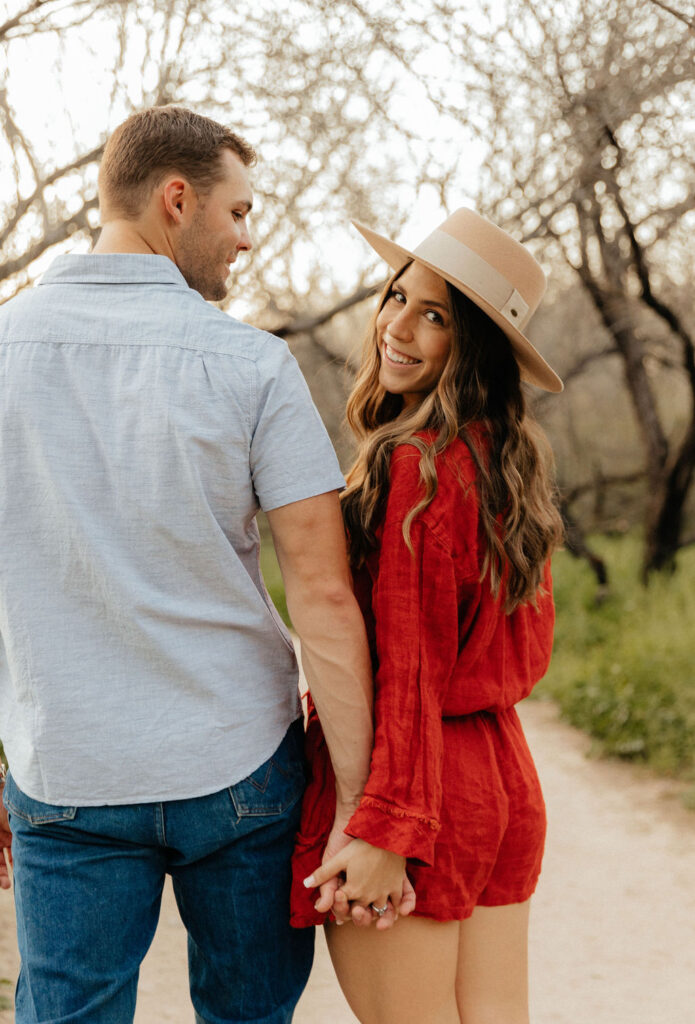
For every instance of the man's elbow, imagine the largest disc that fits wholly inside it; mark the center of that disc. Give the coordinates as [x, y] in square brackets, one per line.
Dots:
[321, 602]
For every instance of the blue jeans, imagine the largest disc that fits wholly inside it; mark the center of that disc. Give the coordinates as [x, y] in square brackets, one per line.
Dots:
[88, 885]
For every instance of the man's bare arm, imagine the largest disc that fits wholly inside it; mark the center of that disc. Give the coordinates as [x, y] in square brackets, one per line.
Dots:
[309, 541]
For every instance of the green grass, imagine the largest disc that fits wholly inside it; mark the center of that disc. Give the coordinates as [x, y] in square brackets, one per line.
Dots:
[6, 1002]
[622, 669]
[272, 577]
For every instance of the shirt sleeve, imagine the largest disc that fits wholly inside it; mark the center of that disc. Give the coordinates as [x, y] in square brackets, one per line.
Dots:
[291, 455]
[415, 602]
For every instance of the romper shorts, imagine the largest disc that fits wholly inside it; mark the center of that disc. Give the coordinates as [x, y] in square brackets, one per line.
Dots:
[493, 823]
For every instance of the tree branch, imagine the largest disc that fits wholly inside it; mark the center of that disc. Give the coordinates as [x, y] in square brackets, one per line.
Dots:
[571, 494]
[303, 325]
[659, 307]
[26, 204]
[11, 23]
[61, 231]
[690, 22]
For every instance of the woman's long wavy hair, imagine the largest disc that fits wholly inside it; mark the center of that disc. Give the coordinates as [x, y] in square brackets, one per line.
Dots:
[479, 399]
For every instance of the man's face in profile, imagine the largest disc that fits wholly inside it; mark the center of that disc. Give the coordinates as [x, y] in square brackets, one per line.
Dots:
[218, 231]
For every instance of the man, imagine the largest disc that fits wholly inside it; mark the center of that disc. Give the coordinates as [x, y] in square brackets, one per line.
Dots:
[148, 699]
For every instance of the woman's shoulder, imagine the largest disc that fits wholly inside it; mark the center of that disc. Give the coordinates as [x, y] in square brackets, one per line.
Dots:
[456, 495]
[455, 464]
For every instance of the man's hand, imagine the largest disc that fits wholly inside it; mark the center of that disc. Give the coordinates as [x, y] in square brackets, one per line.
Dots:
[5, 845]
[372, 876]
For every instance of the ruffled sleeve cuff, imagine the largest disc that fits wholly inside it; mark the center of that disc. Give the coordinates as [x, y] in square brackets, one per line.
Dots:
[393, 828]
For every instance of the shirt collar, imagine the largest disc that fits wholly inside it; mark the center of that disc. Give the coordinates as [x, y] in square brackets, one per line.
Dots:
[113, 268]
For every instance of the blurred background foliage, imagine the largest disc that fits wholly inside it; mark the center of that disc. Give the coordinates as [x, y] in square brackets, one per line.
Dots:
[622, 667]
[568, 123]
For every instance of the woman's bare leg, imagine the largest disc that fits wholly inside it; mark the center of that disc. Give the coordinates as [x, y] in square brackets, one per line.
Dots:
[406, 975]
[492, 976]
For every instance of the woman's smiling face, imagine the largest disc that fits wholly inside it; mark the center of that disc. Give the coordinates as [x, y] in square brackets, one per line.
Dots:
[414, 334]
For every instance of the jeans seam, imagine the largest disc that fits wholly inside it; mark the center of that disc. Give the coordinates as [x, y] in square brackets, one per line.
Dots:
[160, 823]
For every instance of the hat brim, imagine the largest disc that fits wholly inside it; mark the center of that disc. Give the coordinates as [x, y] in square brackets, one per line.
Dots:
[532, 365]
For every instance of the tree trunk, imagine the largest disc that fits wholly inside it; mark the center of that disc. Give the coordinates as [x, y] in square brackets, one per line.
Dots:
[667, 488]
[664, 531]
[576, 544]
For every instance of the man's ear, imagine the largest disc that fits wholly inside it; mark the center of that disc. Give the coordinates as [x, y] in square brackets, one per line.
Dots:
[179, 200]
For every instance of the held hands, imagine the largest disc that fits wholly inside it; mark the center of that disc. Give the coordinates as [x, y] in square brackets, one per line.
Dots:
[373, 878]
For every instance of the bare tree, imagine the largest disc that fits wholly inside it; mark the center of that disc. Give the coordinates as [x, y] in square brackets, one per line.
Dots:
[314, 84]
[591, 162]
[582, 105]
[322, 88]
[47, 198]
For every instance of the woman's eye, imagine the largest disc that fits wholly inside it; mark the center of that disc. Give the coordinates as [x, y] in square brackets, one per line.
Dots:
[398, 296]
[434, 317]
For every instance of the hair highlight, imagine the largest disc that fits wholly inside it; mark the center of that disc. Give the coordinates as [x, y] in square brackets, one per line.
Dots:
[479, 399]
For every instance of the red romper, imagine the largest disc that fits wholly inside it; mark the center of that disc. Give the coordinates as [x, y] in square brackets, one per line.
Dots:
[452, 785]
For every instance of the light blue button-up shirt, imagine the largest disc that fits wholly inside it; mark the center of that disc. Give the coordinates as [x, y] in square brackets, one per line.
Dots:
[140, 431]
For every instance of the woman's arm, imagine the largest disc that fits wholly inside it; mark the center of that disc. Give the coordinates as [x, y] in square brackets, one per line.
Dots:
[416, 603]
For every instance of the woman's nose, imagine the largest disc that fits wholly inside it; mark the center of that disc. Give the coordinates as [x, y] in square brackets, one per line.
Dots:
[400, 326]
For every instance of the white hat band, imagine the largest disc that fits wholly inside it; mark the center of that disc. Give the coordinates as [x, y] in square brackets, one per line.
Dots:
[458, 261]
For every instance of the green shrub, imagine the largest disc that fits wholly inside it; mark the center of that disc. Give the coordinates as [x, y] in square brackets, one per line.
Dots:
[622, 667]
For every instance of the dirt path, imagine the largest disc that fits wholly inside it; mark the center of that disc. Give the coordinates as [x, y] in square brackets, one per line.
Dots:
[613, 923]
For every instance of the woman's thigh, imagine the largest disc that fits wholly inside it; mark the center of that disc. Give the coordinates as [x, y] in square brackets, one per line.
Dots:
[492, 973]
[406, 975]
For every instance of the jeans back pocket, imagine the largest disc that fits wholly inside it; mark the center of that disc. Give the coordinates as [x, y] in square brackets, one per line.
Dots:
[276, 784]
[34, 811]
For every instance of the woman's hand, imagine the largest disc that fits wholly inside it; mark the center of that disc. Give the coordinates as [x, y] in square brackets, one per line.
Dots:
[372, 877]
[337, 842]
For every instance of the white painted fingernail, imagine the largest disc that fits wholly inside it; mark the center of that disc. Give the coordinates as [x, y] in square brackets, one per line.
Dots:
[310, 882]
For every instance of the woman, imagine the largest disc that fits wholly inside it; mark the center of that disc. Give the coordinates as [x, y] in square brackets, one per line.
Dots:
[451, 523]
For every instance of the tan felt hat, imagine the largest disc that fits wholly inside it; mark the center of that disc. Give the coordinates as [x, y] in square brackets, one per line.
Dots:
[492, 269]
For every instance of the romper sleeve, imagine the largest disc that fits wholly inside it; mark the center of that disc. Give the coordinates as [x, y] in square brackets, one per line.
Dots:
[415, 601]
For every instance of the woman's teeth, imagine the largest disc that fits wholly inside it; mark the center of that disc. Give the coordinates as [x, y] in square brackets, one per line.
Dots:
[396, 357]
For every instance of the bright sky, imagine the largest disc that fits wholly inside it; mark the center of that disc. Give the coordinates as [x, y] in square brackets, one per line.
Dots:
[61, 92]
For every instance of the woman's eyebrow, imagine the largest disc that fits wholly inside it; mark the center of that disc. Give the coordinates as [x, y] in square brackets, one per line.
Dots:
[423, 302]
